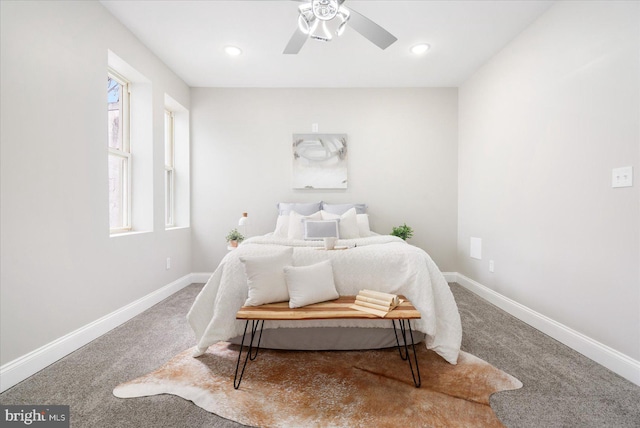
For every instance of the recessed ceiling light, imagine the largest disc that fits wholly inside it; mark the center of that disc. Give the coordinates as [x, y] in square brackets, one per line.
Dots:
[419, 49]
[233, 50]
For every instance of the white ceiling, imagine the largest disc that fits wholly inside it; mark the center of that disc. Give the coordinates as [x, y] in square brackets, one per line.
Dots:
[189, 36]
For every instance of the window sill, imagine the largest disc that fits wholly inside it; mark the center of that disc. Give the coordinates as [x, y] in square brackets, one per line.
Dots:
[177, 227]
[128, 233]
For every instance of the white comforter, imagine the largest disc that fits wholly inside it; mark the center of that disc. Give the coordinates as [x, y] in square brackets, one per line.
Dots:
[382, 262]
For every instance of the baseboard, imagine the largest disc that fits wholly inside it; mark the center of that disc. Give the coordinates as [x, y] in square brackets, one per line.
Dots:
[450, 276]
[200, 277]
[27, 365]
[615, 361]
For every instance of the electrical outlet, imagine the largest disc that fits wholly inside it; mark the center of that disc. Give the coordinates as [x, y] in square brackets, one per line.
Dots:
[314, 127]
[622, 177]
[491, 266]
[168, 266]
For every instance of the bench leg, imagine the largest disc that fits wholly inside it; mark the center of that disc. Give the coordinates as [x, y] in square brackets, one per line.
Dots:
[250, 355]
[406, 356]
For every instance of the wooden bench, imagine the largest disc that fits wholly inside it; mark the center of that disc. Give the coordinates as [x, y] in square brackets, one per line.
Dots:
[331, 310]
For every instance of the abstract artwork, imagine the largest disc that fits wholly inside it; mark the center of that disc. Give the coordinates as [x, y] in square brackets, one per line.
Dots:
[319, 161]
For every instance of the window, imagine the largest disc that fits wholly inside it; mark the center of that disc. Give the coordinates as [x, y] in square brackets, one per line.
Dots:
[169, 173]
[176, 164]
[119, 153]
[130, 148]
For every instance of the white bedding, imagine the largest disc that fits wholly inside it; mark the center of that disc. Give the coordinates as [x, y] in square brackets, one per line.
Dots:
[382, 262]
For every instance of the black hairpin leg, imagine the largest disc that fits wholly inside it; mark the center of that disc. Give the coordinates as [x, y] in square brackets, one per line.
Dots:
[395, 331]
[406, 356]
[250, 355]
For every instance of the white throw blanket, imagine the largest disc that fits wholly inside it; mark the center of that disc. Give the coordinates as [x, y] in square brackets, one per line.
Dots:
[382, 263]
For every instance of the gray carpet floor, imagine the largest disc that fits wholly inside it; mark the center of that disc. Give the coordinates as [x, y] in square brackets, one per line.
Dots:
[562, 388]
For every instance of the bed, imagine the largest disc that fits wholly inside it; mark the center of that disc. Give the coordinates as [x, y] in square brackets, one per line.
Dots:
[363, 260]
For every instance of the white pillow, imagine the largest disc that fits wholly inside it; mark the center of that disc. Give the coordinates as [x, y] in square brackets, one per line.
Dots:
[282, 226]
[296, 227]
[363, 225]
[348, 223]
[265, 277]
[310, 284]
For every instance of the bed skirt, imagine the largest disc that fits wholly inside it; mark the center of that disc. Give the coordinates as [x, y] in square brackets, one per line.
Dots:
[329, 338]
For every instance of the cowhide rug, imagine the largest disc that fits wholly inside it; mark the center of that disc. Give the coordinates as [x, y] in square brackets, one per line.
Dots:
[370, 388]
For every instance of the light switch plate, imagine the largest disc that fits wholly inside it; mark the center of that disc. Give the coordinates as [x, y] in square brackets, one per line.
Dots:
[622, 177]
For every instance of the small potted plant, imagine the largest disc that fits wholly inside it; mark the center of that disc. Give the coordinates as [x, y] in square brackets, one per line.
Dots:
[405, 232]
[234, 237]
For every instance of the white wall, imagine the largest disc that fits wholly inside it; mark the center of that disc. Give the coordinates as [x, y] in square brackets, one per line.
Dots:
[402, 160]
[60, 270]
[541, 126]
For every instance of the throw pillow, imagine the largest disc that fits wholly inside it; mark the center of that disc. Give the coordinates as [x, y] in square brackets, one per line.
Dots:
[363, 225]
[296, 227]
[310, 284]
[348, 223]
[282, 226]
[265, 277]
[319, 229]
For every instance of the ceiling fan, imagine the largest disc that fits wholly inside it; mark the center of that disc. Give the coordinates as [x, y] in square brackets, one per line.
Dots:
[316, 15]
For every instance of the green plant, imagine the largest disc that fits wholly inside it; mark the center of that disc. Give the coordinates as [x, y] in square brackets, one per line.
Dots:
[234, 235]
[405, 232]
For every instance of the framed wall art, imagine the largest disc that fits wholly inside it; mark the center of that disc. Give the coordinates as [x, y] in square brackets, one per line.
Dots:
[320, 161]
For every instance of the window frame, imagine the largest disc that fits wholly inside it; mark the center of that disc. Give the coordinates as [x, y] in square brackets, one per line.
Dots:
[123, 154]
[169, 169]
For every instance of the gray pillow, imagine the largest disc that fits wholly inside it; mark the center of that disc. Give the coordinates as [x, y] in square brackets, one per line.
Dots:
[284, 208]
[319, 229]
[340, 209]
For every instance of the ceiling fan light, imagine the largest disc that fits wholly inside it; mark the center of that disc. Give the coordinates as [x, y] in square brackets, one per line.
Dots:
[325, 10]
[321, 32]
[340, 30]
[344, 16]
[420, 48]
[306, 21]
[233, 50]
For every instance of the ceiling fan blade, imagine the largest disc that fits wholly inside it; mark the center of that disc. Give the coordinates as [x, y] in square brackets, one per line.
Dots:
[369, 29]
[296, 42]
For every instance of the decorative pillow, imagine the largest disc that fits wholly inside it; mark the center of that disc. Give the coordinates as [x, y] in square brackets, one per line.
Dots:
[310, 284]
[296, 226]
[363, 225]
[265, 277]
[282, 226]
[284, 208]
[343, 208]
[348, 223]
[319, 229]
